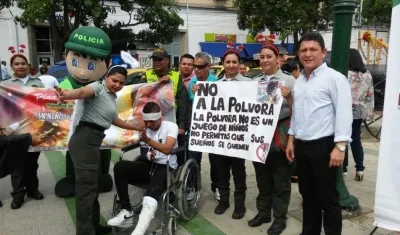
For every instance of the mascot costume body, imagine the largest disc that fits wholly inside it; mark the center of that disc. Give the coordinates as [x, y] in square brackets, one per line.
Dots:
[88, 48]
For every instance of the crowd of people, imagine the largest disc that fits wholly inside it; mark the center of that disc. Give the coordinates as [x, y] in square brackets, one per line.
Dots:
[316, 124]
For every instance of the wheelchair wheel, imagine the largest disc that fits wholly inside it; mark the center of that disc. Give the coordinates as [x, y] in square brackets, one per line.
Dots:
[188, 193]
[171, 225]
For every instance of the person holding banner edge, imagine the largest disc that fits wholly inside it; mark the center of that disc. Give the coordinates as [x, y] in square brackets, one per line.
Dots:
[24, 180]
[273, 176]
[85, 142]
[320, 129]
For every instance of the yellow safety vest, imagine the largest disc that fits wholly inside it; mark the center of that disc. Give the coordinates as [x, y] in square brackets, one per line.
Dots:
[151, 77]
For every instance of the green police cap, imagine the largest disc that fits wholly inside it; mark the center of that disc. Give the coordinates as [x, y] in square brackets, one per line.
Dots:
[90, 40]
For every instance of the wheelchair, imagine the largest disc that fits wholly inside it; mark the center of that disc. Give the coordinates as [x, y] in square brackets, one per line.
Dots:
[179, 201]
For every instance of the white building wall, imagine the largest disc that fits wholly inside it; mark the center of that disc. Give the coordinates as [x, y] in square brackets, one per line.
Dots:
[11, 34]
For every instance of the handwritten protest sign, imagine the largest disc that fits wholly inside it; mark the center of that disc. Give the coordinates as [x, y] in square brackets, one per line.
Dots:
[35, 110]
[236, 119]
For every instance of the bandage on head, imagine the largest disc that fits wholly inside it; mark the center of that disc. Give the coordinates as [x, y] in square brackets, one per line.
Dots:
[151, 116]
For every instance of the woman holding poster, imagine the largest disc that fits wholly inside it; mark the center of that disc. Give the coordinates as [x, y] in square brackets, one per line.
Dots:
[231, 65]
[273, 177]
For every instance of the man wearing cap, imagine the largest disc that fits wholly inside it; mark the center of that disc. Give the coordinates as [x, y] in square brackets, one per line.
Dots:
[161, 72]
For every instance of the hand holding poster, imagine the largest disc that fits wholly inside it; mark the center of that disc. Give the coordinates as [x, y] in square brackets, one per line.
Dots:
[236, 119]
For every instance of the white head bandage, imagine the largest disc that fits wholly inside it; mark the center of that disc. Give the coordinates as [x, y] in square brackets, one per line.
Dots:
[151, 116]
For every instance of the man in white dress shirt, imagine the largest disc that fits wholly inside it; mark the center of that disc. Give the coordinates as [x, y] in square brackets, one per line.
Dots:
[319, 132]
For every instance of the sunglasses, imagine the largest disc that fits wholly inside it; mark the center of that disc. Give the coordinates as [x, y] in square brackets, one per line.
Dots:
[156, 59]
[200, 66]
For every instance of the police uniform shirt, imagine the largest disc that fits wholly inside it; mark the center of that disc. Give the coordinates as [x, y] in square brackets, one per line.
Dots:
[27, 81]
[239, 77]
[102, 108]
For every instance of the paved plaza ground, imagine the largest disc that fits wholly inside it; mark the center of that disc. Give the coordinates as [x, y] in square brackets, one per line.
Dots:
[55, 216]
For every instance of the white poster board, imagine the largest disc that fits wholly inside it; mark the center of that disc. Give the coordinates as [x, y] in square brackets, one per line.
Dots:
[387, 195]
[236, 119]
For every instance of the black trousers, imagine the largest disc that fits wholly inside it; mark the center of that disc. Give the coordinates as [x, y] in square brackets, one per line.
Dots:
[215, 162]
[317, 185]
[13, 151]
[274, 187]
[141, 173]
[180, 157]
[239, 178]
[84, 150]
[25, 180]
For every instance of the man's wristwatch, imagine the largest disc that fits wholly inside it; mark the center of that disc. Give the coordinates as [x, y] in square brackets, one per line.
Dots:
[340, 147]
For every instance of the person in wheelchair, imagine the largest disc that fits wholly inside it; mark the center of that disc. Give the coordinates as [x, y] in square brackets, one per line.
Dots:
[161, 137]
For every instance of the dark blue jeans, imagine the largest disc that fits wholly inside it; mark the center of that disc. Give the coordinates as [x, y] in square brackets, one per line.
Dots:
[356, 147]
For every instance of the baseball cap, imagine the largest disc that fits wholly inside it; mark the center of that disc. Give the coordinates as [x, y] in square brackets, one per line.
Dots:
[159, 53]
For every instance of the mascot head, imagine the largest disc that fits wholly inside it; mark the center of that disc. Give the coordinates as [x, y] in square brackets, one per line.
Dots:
[88, 47]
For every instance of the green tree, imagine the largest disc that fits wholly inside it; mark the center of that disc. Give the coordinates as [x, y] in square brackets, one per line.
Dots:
[376, 12]
[288, 17]
[64, 16]
[4, 4]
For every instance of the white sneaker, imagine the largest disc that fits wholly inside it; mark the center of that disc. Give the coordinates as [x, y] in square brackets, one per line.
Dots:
[122, 218]
[217, 195]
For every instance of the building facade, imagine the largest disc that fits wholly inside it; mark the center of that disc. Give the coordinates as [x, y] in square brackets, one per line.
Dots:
[209, 25]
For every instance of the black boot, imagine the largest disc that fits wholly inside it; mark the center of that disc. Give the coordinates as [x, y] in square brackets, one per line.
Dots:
[239, 212]
[102, 230]
[221, 208]
[17, 203]
[276, 228]
[1, 204]
[259, 220]
[35, 195]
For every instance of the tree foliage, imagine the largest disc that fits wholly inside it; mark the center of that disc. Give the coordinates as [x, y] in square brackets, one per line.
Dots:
[377, 12]
[284, 16]
[4, 4]
[160, 16]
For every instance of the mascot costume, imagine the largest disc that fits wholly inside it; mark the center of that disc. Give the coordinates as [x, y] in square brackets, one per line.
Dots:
[88, 48]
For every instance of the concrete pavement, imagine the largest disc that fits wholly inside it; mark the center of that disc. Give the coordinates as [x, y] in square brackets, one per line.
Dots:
[56, 216]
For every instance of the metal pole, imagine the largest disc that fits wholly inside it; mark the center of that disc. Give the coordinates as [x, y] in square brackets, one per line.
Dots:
[187, 24]
[343, 11]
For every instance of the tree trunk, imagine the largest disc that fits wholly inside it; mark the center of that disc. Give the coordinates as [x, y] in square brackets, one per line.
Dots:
[295, 42]
[66, 20]
[57, 43]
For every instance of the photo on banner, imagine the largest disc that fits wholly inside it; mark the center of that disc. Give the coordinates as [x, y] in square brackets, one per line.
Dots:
[35, 110]
[236, 119]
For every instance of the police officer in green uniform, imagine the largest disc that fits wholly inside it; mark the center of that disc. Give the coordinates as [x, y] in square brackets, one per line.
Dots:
[24, 180]
[88, 49]
[273, 177]
[160, 71]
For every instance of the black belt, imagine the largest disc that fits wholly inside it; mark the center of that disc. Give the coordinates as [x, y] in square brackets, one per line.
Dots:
[320, 140]
[92, 125]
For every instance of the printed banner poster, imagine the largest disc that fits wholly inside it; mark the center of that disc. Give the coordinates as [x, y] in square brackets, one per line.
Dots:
[235, 119]
[35, 110]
